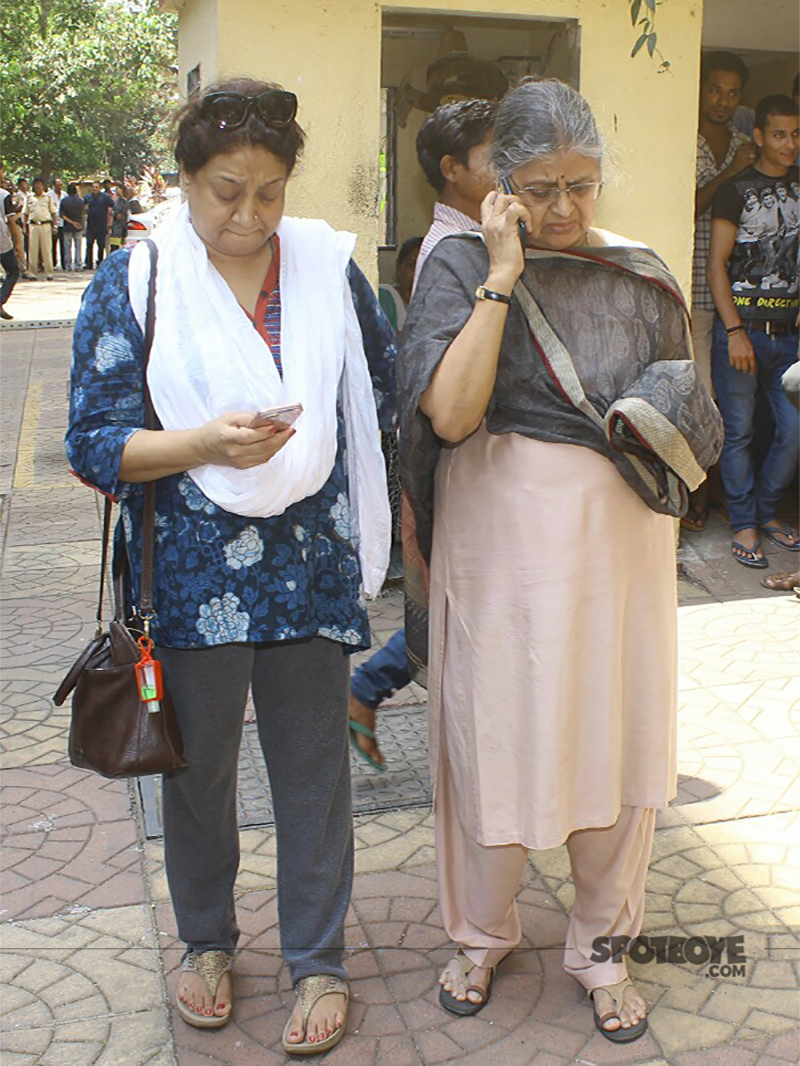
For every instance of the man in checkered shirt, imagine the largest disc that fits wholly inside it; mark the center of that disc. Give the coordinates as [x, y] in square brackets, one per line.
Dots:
[722, 151]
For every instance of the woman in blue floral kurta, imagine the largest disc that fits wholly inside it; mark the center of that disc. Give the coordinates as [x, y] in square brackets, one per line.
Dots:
[271, 603]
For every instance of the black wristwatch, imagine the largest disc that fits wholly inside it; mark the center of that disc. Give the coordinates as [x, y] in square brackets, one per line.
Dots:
[482, 293]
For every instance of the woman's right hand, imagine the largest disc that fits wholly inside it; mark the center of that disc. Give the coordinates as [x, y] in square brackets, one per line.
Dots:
[229, 441]
[500, 218]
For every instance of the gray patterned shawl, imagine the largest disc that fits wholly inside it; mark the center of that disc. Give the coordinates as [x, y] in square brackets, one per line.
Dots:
[596, 352]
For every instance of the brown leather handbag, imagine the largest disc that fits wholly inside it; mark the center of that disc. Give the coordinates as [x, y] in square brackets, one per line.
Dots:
[113, 730]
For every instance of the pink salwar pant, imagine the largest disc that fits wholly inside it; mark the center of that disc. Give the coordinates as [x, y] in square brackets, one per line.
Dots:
[478, 885]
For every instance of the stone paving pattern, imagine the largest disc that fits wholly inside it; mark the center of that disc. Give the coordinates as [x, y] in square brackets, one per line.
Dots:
[89, 952]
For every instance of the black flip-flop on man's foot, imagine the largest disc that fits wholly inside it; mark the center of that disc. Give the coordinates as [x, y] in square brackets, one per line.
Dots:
[749, 556]
[783, 529]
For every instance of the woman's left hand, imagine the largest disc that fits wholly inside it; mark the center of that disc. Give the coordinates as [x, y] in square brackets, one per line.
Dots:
[229, 441]
[225, 441]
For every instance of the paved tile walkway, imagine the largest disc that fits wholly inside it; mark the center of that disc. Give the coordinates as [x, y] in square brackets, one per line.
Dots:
[89, 953]
[35, 303]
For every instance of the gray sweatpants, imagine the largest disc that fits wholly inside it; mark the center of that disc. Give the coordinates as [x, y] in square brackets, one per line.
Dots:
[300, 692]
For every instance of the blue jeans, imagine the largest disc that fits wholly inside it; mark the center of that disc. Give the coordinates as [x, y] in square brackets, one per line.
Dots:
[751, 498]
[73, 240]
[383, 674]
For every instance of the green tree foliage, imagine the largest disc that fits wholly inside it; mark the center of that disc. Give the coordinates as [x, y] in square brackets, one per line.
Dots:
[86, 85]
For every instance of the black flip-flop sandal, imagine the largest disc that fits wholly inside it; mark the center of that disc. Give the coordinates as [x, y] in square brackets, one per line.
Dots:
[749, 556]
[771, 531]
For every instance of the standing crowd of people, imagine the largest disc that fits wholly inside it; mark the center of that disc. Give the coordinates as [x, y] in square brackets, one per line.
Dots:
[745, 305]
[50, 227]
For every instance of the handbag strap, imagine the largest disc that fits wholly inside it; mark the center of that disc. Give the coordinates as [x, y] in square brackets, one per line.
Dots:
[149, 514]
[145, 609]
[103, 565]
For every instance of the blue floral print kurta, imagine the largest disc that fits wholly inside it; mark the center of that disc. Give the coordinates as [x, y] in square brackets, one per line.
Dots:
[219, 577]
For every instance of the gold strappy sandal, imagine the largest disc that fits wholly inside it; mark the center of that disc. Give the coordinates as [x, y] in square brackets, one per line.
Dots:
[211, 966]
[309, 990]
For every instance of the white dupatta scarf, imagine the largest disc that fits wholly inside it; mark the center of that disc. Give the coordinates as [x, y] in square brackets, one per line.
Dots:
[207, 359]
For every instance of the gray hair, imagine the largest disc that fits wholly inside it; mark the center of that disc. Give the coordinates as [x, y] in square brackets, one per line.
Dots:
[538, 119]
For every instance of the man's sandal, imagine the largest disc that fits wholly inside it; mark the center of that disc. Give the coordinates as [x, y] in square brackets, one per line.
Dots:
[695, 519]
[777, 530]
[620, 1035]
[309, 990]
[749, 556]
[466, 1007]
[365, 731]
[211, 966]
[786, 582]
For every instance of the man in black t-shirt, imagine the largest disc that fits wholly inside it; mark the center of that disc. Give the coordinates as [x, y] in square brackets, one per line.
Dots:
[753, 275]
[98, 218]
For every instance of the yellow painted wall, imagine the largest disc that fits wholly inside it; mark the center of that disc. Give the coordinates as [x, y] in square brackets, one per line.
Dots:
[197, 40]
[329, 53]
[649, 121]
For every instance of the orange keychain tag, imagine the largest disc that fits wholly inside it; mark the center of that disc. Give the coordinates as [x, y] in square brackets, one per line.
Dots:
[148, 674]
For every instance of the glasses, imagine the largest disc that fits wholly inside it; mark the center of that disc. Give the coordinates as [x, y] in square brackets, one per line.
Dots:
[548, 194]
[275, 107]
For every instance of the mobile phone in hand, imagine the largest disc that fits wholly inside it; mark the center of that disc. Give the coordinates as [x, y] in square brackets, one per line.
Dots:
[279, 417]
[523, 233]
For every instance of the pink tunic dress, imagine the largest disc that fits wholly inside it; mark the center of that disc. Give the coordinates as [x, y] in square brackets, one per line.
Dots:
[553, 652]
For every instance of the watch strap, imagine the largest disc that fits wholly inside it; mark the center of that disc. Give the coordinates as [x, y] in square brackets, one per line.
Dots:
[482, 293]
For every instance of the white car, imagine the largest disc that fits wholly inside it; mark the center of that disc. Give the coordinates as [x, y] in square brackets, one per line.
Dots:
[144, 224]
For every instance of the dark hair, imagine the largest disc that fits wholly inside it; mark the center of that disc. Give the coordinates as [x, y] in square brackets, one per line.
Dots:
[776, 104]
[796, 85]
[198, 139]
[727, 61]
[72, 189]
[407, 248]
[453, 129]
[39, 179]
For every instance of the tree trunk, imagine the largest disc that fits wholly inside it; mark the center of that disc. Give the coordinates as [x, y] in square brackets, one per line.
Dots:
[46, 167]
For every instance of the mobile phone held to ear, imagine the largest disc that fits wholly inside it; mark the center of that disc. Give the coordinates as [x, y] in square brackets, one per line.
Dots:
[279, 417]
[523, 233]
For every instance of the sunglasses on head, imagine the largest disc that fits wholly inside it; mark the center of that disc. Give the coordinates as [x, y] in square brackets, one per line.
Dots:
[275, 107]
